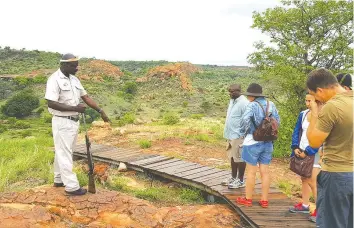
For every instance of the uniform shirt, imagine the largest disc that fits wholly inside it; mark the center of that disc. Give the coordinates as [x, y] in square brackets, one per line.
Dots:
[234, 113]
[336, 118]
[65, 90]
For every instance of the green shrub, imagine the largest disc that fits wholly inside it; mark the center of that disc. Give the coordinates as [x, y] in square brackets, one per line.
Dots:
[3, 129]
[170, 118]
[40, 79]
[191, 195]
[26, 133]
[205, 106]
[12, 120]
[128, 118]
[92, 114]
[23, 81]
[20, 125]
[197, 116]
[20, 105]
[185, 104]
[40, 110]
[130, 88]
[144, 144]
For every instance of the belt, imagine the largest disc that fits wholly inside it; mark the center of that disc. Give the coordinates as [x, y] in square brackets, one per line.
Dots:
[73, 118]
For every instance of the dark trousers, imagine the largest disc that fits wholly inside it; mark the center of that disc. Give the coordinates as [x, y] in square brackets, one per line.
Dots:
[334, 200]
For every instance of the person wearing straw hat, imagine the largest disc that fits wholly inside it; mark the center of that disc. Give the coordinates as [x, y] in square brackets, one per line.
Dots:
[63, 93]
[256, 152]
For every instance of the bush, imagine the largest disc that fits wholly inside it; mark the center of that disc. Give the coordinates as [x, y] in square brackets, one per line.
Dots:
[128, 118]
[20, 105]
[12, 120]
[205, 106]
[3, 129]
[144, 144]
[26, 133]
[185, 104]
[93, 115]
[23, 81]
[40, 110]
[170, 118]
[130, 88]
[40, 79]
[20, 125]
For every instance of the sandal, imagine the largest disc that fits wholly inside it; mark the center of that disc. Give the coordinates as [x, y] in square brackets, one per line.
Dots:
[244, 201]
[263, 203]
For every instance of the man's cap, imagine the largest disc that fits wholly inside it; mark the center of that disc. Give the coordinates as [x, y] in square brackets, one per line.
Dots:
[69, 58]
[345, 80]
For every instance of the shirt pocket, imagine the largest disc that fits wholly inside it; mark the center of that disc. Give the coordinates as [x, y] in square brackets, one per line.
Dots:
[65, 90]
[79, 89]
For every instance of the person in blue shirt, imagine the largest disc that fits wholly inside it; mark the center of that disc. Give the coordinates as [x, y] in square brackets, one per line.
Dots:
[254, 152]
[301, 148]
[234, 136]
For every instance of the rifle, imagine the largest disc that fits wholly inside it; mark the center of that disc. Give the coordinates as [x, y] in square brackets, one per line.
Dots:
[91, 184]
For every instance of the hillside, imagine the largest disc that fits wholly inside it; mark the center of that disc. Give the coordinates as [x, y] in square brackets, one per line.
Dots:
[160, 86]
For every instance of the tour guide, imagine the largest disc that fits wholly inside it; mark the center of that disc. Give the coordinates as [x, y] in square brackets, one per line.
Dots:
[63, 94]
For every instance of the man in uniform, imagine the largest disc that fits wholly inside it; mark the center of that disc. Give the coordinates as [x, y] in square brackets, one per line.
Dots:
[233, 134]
[63, 94]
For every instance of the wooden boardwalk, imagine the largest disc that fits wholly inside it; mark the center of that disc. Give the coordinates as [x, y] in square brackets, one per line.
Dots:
[206, 179]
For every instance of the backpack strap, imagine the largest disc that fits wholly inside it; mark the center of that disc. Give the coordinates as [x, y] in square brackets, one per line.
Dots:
[266, 112]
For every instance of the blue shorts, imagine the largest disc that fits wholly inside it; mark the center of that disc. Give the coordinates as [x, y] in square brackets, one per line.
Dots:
[258, 153]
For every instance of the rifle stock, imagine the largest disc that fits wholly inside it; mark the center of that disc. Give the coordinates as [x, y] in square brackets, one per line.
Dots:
[91, 183]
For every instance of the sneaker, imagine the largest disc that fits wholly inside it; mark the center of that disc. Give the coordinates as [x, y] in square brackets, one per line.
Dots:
[244, 201]
[79, 192]
[299, 208]
[236, 184]
[227, 181]
[313, 216]
[242, 183]
[57, 185]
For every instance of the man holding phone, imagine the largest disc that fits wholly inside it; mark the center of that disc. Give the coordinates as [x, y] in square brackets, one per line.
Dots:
[332, 125]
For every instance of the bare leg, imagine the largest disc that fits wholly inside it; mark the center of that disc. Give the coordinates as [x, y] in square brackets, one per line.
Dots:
[264, 169]
[305, 190]
[313, 183]
[251, 179]
[234, 167]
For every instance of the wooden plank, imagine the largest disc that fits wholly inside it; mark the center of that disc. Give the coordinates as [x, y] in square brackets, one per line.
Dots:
[190, 172]
[211, 176]
[149, 160]
[202, 174]
[138, 158]
[215, 180]
[162, 163]
[174, 169]
[193, 166]
[159, 167]
[121, 157]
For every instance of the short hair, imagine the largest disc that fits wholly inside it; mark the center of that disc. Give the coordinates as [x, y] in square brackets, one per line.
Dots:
[321, 78]
[344, 79]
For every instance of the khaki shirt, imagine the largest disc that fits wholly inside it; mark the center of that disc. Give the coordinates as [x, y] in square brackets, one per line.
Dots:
[336, 118]
[65, 90]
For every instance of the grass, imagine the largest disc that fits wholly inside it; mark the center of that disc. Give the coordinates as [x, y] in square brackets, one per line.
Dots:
[23, 159]
[156, 191]
[144, 144]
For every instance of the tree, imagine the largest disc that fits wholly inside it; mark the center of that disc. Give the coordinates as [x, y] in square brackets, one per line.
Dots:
[21, 105]
[304, 35]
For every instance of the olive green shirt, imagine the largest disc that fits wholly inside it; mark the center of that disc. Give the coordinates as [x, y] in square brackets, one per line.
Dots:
[336, 118]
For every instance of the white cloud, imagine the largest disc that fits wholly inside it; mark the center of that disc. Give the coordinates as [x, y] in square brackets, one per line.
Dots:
[209, 32]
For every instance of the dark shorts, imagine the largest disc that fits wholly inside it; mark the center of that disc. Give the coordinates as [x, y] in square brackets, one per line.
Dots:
[334, 200]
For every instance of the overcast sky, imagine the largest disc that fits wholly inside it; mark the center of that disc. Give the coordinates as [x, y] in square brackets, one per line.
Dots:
[199, 31]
